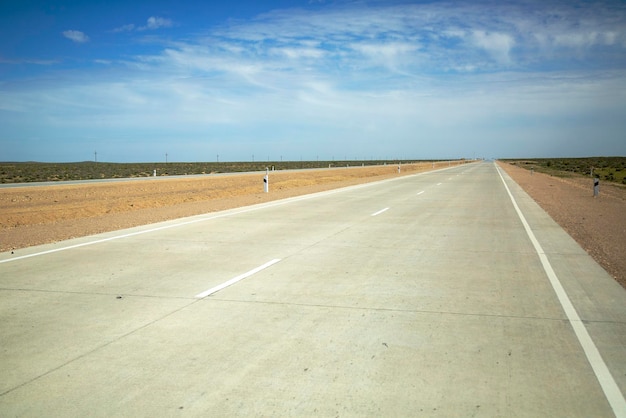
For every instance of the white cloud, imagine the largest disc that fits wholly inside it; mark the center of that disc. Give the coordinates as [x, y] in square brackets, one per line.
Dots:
[383, 50]
[586, 39]
[392, 55]
[76, 36]
[152, 23]
[155, 22]
[498, 45]
[298, 52]
[124, 28]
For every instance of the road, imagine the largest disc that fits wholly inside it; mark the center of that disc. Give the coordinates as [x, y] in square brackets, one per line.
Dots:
[448, 293]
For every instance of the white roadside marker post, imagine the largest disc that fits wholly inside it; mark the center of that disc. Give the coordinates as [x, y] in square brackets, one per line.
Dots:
[266, 181]
[596, 187]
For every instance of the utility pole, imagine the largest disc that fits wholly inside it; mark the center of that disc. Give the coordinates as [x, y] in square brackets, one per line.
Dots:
[166, 158]
[95, 156]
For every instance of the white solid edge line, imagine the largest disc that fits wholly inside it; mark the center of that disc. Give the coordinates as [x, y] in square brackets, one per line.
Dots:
[609, 386]
[419, 193]
[236, 279]
[380, 211]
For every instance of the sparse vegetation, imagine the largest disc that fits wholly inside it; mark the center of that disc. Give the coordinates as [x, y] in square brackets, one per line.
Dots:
[26, 172]
[612, 169]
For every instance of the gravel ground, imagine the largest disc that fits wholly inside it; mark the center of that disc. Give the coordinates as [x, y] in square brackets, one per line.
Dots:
[598, 224]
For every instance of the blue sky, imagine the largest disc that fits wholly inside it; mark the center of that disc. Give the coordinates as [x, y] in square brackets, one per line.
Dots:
[134, 80]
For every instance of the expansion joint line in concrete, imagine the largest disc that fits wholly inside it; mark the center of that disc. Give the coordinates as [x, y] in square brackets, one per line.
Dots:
[392, 310]
[100, 347]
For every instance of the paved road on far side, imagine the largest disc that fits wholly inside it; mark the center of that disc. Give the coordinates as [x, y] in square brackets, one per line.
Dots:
[448, 293]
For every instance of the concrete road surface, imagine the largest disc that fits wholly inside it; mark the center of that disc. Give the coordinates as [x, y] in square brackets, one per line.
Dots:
[445, 294]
